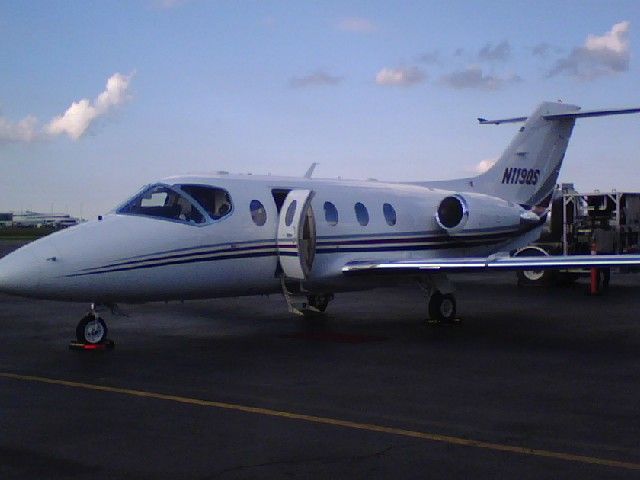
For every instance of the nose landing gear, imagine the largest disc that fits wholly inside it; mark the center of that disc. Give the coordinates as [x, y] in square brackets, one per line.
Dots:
[91, 333]
[91, 330]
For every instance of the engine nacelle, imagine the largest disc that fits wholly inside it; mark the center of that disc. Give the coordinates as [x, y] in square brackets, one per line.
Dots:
[457, 213]
[453, 213]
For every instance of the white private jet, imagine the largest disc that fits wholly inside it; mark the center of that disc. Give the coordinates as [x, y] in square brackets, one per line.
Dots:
[192, 237]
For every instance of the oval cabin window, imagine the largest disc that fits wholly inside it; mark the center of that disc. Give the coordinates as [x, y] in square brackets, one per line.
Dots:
[288, 218]
[258, 213]
[389, 214]
[362, 214]
[330, 213]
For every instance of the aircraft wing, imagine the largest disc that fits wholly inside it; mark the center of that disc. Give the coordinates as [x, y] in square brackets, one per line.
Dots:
[491, 263]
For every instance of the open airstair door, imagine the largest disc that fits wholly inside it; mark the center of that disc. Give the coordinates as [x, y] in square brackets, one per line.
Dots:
[297, 234]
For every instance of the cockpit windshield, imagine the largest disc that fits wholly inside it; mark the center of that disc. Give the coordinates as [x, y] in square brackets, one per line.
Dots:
[161, 201]
[215, 201]
[183, 203]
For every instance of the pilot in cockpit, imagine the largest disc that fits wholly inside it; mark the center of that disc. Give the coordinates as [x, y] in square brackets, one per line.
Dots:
[223, 207]
[185, 209]
[181, 208]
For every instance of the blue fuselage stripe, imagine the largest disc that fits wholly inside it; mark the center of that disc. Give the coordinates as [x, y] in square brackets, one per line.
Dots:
[347, 246]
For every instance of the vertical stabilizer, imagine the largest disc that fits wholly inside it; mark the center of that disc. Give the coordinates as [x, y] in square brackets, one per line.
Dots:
[528, 169]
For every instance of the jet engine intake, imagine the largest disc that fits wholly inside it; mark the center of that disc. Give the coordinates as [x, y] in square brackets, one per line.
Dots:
[453, 213]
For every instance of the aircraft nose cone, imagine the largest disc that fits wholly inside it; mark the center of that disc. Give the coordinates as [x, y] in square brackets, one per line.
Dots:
[19, 273]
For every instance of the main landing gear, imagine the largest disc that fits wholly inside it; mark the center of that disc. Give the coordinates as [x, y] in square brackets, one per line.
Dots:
[442, 307]
[440, 298]
[302, 302]
[319, 302]
[91, 333]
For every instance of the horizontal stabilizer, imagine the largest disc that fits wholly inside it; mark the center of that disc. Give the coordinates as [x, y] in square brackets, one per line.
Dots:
[591, 113]
[484, 121]
[492, 263]
[560, 116]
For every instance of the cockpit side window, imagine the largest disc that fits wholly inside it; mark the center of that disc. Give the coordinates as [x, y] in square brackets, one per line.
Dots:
[213, 200]
[161, 201]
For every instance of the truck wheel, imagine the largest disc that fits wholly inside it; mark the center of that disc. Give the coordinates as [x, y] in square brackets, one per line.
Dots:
[534, 277]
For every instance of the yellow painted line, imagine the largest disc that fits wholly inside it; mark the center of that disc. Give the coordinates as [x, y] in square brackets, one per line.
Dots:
[434, 437]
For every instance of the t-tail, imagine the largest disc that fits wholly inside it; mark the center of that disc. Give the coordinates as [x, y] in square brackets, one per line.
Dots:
[527, 171]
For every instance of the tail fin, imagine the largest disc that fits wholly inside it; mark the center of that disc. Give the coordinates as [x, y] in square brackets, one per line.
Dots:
[527, 171]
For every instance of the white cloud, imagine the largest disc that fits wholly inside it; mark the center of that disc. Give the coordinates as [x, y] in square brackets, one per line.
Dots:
[115, 93]
[24, 131]
[600, 55]
[474, 77]
[615, 40]
[484, 165]
[75, 121]
[357, 25]
[315, 79]
[400, 76]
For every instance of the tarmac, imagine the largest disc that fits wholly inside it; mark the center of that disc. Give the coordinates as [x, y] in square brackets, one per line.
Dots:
[534, 383]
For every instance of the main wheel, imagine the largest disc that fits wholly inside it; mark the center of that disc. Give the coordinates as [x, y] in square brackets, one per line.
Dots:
[321, 302]
[91, 330]
[442, 307]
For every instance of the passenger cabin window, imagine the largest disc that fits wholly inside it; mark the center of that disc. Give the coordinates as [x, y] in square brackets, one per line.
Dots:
[330, 213]
[214, 200]
[291, 210]
[362, 214]
[161, 201]
[258, 212]
[389, 214]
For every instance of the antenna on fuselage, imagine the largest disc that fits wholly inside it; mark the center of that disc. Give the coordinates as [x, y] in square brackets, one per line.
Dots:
[310, 170]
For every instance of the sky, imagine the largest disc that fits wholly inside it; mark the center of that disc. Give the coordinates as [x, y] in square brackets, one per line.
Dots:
[98, 98]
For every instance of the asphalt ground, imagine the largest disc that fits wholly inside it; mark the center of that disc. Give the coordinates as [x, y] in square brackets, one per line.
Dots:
[535, 383]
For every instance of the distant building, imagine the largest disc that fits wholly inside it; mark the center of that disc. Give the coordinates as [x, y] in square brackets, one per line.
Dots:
[35, 219]
[6, 219]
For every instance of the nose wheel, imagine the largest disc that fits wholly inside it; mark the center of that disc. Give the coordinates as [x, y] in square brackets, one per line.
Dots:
[91, 333]
[91, 330]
